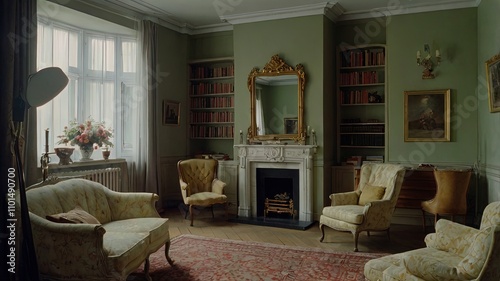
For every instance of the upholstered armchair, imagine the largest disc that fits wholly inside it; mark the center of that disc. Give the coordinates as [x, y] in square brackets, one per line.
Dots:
[370, 207]
[199, 184]
[454, 252]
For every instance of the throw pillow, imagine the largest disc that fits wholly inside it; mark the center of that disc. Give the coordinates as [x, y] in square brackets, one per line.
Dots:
[371, 193]
[77, 215]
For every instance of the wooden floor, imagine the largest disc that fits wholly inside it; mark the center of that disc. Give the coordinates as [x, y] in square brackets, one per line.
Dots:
[403, 237]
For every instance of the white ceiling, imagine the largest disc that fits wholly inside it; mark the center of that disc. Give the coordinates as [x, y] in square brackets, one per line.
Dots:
[199, 16]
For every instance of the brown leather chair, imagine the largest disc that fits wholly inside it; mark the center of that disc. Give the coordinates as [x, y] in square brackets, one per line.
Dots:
[199, 184]
[451, 194]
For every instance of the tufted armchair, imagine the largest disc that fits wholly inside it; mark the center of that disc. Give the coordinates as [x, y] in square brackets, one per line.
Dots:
[370, 207]
[199, 184]
[453, 252]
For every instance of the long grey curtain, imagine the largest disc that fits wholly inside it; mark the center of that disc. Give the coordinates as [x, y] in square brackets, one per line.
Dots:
[149, 52]
[18, 57]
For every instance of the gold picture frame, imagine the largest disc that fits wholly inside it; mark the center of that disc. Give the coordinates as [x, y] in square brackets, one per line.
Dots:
[427, 116]
[171, 113]
[493, 78]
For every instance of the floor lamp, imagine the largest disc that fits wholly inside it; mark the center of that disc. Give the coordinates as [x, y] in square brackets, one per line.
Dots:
[42, 87]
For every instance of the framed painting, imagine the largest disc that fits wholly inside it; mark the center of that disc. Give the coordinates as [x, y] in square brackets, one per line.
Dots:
[171, 113]
[427, 115]
[291, 125]
[493, 77]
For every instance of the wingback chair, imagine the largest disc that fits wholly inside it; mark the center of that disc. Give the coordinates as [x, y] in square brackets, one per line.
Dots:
[368, 208]
[199, 184]
[454, 252]
[451, 194]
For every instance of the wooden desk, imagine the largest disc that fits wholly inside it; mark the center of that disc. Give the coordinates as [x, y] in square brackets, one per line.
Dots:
[419, 185]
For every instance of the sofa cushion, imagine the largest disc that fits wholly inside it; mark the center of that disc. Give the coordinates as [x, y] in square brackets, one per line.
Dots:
[157, 228]
[371, 193]
[348, 213]
[375, 268]
[125, 247]
[432, 264]
[477, 254]
[77, 215]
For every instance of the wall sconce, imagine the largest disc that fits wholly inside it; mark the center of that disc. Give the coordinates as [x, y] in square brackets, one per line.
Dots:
[427, 62]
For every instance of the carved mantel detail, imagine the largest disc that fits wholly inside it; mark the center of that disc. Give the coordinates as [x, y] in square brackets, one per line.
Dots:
[276, 156]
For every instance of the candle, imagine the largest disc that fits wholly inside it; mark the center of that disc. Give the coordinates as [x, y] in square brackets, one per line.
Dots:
[47, 136]
[418, 54]
[437, 54]
[312, 131]
[241, 132]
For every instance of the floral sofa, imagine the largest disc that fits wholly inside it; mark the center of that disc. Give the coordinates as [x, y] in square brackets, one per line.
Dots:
[454, 252]
[84, 231]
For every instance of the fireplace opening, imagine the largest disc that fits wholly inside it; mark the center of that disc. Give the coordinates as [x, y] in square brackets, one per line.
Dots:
[278, 184]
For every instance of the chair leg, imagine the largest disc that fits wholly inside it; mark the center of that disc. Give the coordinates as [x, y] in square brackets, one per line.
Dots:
[212, 210]
[146, 269]
[167, 248]
[322, 227]
[356, 236]
[389, 234]
[191, 213]
[435, 220]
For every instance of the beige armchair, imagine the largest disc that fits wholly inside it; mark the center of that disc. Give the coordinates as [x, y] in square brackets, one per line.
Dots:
[454, 252]
[199, 184]
[370, 207]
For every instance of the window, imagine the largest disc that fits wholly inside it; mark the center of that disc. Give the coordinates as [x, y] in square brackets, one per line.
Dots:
[102, 71]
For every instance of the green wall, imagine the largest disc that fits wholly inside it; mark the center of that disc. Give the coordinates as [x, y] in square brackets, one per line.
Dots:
[295, 40]
[488, 41]
[172, 85]
[454, 33]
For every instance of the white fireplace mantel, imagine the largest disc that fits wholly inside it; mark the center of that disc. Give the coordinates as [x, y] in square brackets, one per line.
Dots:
[277, 156]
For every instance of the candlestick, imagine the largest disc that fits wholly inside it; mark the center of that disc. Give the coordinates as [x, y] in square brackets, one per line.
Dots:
[47, 140]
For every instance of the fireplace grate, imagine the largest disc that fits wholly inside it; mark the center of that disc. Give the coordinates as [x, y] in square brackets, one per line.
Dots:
[279, 206]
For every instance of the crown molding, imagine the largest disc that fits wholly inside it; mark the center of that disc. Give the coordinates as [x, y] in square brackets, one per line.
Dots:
[409, 9]
[329, 9]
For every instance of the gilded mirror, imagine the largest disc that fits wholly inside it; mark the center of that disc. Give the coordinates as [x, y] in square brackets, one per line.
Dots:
[277, 102]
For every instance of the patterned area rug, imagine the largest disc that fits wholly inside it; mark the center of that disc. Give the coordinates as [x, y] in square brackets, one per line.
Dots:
[202, 258]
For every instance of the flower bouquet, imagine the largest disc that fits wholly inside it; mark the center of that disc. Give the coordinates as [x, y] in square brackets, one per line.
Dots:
[88, 135]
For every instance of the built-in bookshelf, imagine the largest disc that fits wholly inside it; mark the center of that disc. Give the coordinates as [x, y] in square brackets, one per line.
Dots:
[361, 92]
[211, 99]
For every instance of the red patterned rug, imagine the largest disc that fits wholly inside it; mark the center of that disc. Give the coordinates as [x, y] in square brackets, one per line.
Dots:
[202, 258]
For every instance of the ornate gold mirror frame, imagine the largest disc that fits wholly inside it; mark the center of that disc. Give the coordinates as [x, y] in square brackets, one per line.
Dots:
[288, 124]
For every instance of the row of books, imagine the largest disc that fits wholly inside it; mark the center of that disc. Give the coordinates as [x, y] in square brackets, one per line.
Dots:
[205, 131]
[358, 78]
[378, 128]
[362, 140]
[211, 88]
[212, 102]
[358, 97]
[211, 117]
[200, 72]
[359, 160]
[367, 57]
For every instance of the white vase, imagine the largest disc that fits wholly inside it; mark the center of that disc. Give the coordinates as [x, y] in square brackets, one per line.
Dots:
[86, 152]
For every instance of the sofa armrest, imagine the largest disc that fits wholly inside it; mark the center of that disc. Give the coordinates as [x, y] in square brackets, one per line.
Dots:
[69, 250]
[451, 237]
[344, 198]
[132, 205]
[218, 186]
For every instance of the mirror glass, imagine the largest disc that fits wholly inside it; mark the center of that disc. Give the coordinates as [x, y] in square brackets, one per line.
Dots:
[276, 95]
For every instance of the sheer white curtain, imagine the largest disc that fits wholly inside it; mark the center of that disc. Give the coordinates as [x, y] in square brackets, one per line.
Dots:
[259, 113]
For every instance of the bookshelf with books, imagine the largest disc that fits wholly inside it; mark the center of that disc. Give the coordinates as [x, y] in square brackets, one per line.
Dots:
[211, 99]
[361, 93]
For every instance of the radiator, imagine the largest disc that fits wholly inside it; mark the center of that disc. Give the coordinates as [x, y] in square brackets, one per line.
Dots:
[109, 177]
